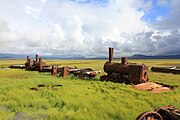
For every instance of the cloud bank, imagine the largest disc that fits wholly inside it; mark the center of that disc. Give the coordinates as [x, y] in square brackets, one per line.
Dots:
[86, 28]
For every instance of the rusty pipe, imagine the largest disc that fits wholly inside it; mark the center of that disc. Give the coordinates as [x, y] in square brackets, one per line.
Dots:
[27, 58]
[36, 57]
[40, 59]
[111, 51]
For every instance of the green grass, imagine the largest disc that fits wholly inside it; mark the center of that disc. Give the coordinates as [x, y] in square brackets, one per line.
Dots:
[88, 99]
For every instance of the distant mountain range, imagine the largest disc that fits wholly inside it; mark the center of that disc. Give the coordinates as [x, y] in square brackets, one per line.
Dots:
[7, 55]
[137, 56]
[4, 55]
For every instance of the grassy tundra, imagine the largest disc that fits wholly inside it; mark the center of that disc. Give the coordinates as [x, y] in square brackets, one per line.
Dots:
[88, 99]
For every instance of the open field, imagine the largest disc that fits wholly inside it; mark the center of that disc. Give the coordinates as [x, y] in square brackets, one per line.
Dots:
[88, 99]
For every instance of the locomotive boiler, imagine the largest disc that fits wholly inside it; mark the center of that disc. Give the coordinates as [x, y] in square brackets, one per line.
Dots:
[124, 72]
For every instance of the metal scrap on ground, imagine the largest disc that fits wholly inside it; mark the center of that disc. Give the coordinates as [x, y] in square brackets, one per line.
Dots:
[161, 113]
[174, 70]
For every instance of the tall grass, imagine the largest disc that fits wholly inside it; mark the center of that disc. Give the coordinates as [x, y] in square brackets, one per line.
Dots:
[80, 99]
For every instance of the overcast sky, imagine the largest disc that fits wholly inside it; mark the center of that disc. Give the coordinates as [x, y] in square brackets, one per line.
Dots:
[89, 27]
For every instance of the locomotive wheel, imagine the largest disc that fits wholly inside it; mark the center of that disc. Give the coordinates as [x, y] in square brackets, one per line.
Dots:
[127, 80]
[149, 116]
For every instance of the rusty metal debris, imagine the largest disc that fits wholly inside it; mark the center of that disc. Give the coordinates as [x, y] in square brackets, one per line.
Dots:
[124, 72]
[17, 66]
[161, 113]
[84, 72]
[174, 70]
[63, 71]
[54, 70]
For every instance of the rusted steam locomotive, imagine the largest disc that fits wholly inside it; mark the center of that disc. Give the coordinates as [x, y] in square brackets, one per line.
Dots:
[124, 72]
[63, 71]
[34, 64]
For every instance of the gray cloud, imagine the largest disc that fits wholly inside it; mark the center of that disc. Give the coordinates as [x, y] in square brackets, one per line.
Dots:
[173, 18]
[169, 44]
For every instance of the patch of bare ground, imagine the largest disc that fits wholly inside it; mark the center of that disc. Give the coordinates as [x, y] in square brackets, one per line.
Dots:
[153, 87]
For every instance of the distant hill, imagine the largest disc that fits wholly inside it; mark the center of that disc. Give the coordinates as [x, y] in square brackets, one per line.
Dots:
[139, 56]
[7, 55]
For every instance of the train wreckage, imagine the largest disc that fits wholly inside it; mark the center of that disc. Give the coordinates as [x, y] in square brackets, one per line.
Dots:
[63, 71]
[124, 72]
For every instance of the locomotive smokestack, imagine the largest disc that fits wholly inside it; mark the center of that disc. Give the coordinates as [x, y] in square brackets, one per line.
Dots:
[36, 57]
[111, 50]
[124, 60]
[27, 58]
[40, 59]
